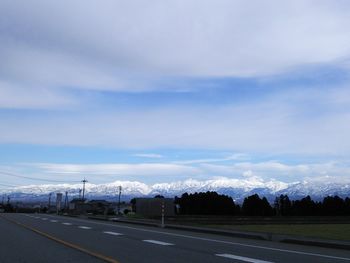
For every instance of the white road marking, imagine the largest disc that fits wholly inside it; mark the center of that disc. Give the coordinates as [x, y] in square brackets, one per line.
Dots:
[112, 233]
[44, 218]
[214, 240]
[53, 221]
[251, 260]
[84, 227]
[67, 224]
[158, 242]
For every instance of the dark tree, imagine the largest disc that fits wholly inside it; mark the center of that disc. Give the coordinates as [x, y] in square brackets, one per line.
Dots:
[305, 207]
[283, 206]
[254, 206]
[347, 206]
[333, 206]
[209, 203]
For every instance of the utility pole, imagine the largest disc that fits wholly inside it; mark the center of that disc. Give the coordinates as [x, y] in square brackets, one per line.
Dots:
[84, 181]
[49, 205]
[79, 193]
[66, 201]
[120, 191]
[162, 211]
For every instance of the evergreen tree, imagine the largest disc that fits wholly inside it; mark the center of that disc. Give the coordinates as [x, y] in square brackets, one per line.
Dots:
[254, 206]
[209, 203]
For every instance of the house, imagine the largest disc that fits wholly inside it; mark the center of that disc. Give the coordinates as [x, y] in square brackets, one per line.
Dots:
[152, 207]
[81, 206]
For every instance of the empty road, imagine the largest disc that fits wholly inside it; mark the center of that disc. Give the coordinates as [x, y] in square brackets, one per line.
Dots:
[48, 238]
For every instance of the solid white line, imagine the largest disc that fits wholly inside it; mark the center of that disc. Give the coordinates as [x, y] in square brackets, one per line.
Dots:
[214, 240]
[112, 233]
[158, 242]
[84, 227]
[67, 224]
[251, 260]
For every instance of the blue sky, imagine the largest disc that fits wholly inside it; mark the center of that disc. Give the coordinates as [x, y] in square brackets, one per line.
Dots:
[128, 91]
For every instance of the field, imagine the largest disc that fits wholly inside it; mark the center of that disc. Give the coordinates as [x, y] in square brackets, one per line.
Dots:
[337, 228]
[327, 231]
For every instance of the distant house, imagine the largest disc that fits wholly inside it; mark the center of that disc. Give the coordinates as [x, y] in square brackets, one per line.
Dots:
[152, 207]
[81, 206]
[78, 206]
[98, 206]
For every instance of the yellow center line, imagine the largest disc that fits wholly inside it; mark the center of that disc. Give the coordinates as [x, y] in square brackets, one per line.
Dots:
[65, 243]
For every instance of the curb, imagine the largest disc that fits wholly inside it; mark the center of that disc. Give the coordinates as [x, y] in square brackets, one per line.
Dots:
[316, 243]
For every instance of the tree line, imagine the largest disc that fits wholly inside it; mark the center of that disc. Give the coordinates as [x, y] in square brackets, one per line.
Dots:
[212, 203]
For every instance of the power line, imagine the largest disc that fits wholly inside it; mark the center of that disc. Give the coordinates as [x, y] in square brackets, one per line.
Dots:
[36, 179]
[7, 185]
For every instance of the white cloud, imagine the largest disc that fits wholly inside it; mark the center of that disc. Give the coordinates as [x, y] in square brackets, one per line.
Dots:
[165, 172]
[232, 157]
[141, 169]
[248, 173]
[280, 171]
[123, 46]
[117, 45]
[13, 96]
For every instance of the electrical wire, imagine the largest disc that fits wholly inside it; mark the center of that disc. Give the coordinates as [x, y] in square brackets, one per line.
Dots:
[36, 179]
[7, 185]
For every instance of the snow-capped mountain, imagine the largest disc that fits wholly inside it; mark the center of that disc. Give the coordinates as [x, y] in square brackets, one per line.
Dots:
[319, 187]
[236, 188]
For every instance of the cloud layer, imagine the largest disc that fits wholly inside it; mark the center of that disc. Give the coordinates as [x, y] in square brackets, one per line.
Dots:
[313, 122]
[158, 172]
[51, 47]
[267, 78]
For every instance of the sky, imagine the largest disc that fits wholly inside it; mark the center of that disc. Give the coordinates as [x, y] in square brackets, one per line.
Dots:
[163, 91]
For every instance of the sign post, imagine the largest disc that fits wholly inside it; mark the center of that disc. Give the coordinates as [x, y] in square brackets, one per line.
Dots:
[163, 205]
[58, 202]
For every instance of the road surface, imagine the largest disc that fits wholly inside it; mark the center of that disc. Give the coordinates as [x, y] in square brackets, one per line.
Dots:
[48, 238]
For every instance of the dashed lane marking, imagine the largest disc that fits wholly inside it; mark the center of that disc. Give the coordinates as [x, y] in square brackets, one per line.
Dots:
[112, 233]
[67, 224]
[84, 227]
[245, 259]
[53, 221]
[158, 242]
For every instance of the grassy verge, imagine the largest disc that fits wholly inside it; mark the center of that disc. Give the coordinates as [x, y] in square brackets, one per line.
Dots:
[134, 216]
[327, 231]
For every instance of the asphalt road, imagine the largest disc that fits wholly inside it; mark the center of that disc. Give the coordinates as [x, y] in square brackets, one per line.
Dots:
[47, 238]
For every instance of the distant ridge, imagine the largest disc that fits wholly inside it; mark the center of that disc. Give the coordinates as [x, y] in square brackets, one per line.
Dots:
[236, 188]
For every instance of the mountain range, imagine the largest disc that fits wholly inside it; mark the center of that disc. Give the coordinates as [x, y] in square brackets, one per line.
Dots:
[317, 188]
